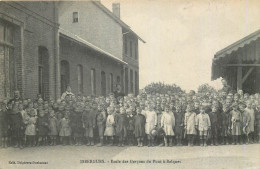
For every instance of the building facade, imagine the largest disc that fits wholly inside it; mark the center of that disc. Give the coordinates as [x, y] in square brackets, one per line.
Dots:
[102, 32]
[239, 64]
[45, 46]
[27, 48]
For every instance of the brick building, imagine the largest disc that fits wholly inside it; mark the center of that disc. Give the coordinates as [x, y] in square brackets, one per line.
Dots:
[45, 46]
[28, 32]
[98, 49]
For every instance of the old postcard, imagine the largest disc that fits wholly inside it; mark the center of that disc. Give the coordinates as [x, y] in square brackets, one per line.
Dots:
[130, 84]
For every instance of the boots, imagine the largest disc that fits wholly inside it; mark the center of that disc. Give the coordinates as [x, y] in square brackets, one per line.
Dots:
[152, 142]
[88, 141]
[149, 143]
[201, 142]
[141, 143]
[138, 142]
[170, 142]
[91, 141]
[205, 142]
[165, 142]
[233, 140]
[101, 143]
[119, 143]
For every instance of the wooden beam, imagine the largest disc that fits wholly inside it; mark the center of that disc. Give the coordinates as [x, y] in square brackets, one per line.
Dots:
[242, 65]
[247, 74]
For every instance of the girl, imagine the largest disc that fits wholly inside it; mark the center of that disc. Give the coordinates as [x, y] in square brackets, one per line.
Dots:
[65, 129]
[189, 123]
[110, 123]
[139, 125]
[130, 127]
[203, 125]
[30, 122]
[168, 124]
[235, 123]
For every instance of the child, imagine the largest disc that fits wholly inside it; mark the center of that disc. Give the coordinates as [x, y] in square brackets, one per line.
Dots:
[235, 123]
[101, 120]
[89, 123]
[179, 120]
[65, 129]
[30, 122]
[53, 128]
[121, 126]
[151, 122]
[139, 125]
[244, 123]
[225, 125]
[76, 123]
[251, 124]
[168, 124]
[257, 119]
[4, 125]
[203, 125]
[189, 123]
[214, 126]
[110, 123]
[130, 127]
[42, 127]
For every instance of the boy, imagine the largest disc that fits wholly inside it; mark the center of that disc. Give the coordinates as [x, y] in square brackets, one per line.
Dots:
[139, 125]
[89, 123]
[101, 120]
[179, 122]
[4, 125]
[121, 126]
[203, 125]
[245, 121]
[213, 115]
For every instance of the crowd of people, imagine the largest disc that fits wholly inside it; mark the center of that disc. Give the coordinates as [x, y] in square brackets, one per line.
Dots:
[148, 119]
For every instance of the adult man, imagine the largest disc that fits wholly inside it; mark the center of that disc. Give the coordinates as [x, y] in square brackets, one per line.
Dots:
[226, 87]
[67, 93]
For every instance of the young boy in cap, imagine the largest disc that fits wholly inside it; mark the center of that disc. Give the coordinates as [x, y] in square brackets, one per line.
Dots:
[203, 125]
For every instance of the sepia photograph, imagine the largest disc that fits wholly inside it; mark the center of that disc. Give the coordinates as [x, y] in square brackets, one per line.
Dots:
[138, 84]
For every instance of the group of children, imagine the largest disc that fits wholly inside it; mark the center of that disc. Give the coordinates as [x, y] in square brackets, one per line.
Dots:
[147, 119]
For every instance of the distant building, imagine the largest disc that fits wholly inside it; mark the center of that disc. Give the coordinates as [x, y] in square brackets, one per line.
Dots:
[97, 49]
[239, 64]
[45, 46]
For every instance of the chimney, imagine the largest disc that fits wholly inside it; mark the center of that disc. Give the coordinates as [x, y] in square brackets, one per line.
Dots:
[116, 9]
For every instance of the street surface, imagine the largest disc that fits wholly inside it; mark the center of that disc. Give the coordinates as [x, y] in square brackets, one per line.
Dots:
[78, 157]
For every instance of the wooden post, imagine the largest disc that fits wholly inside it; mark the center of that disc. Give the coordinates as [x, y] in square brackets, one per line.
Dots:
[239, 72]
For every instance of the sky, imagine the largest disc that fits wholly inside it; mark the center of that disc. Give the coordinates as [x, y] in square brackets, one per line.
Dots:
[183, 35]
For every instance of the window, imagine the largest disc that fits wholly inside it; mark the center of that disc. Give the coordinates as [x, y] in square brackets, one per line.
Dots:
[64, 75]
[136, 83]
[93, 82]
[125, 45]
[75, 17]
[131, 49]
[43, 72]
[80, 78]
[131, 82]
[7, 61]
[136, 50]
[111, 82]
[103, 83]
[126, 80]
